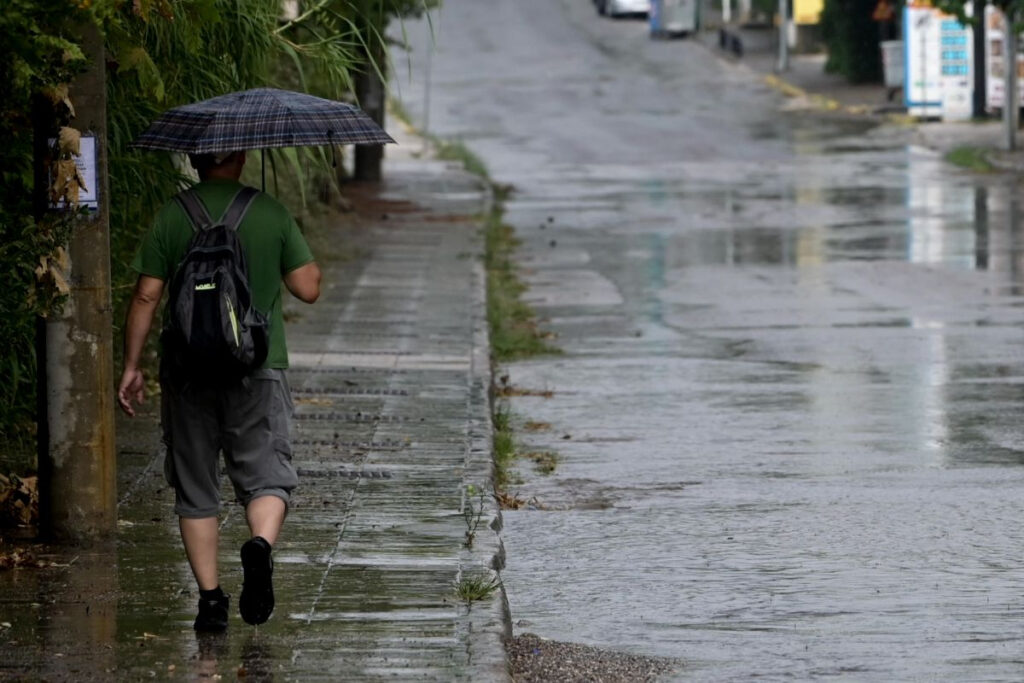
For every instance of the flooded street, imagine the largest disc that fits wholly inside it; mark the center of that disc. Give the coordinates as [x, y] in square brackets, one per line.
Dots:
[788, 418]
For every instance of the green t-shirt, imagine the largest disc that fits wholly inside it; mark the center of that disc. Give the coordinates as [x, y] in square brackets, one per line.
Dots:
[272, 242]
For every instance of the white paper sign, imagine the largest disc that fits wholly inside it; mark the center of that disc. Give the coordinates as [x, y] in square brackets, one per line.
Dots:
[86, 163]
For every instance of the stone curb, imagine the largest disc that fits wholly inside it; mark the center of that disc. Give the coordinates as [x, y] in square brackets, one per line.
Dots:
[490, 620]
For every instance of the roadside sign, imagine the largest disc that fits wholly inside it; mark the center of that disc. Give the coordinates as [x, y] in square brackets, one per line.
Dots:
[995, 60]
[807, 12]
[938, 60]
[922, 75]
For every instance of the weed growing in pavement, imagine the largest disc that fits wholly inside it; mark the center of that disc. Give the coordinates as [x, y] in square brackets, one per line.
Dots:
[545, 461]
[504, 447]
[472, 512]
[513, 323]
[472, 587]
[457, 151]
[971, 158]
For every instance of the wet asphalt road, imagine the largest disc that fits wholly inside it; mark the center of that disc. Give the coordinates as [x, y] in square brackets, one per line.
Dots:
[789, 411]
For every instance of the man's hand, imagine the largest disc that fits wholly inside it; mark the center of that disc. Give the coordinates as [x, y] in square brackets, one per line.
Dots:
[141, 310]
[132, 388]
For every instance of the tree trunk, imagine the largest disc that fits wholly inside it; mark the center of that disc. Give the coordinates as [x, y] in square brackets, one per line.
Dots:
[370, 90]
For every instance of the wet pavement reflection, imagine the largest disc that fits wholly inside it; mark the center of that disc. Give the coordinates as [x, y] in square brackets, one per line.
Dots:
[788, 412]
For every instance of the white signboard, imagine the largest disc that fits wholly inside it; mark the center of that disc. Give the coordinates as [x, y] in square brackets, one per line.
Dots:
[995, 60]
[956, 56]
[922, 84]
[938, 62]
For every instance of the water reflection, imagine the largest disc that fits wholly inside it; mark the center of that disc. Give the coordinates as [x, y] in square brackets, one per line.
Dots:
[257, 658]
[941, 215]
[981, 227]
[82, 625]
[211, 650]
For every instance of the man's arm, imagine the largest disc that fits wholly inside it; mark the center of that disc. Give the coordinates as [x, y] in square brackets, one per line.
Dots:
[304, 282]
[141, 312]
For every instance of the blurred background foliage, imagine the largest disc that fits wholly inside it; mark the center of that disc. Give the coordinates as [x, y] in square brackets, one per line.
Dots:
[159, 54]
[853, 38]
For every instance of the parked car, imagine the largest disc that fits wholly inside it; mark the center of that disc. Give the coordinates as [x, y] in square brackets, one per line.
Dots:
[618, 8]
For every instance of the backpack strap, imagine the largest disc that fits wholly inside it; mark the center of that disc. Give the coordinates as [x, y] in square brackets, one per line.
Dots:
[238, 207]
[193, 207]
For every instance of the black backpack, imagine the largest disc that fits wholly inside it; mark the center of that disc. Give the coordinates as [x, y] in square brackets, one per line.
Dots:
[212, 333]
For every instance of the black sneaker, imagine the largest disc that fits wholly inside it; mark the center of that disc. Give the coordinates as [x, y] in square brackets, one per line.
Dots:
[213, 615]
[257, 599]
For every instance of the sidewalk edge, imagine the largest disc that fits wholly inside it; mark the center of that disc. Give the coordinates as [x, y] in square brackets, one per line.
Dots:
[490, 620]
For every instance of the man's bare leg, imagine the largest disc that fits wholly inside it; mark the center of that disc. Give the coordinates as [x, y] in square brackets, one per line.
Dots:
[266, 516]
[200, 537]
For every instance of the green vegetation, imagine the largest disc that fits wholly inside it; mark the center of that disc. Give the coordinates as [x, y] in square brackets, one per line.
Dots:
[472, 512]
[970, 158]
[456, 151]
[513, 325]
[479, 586]
[504, 448]
[852, 38]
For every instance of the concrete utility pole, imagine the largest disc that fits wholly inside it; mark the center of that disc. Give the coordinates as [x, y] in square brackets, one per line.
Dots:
[78, 485]
[783, 64]
[1011, 103]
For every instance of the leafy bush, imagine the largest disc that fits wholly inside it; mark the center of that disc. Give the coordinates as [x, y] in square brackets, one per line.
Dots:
[35, 55]
[852, 38]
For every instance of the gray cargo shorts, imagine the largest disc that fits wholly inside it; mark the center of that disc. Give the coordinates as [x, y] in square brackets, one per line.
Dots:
[248, 422]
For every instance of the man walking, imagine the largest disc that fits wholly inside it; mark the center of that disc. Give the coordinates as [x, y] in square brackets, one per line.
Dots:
[247, 420]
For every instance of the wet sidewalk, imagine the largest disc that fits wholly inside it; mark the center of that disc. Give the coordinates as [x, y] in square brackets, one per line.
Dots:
[390, 376]
[805, 82]
[807, 87]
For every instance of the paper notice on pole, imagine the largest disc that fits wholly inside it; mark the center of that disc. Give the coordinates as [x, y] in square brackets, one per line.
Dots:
[995, 60]
[86, 163]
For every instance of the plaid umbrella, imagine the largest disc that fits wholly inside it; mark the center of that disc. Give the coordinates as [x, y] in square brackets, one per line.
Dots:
[259, 119]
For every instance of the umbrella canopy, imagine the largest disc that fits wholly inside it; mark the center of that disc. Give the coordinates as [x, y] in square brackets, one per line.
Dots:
[260, 119]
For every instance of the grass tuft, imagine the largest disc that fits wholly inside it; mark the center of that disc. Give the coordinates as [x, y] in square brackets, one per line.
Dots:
[504, 448]
[970, 158]
[545, 461]
[478, 586]
[457, 151]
